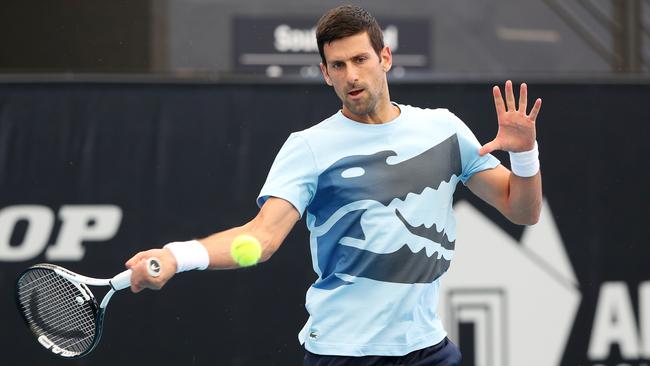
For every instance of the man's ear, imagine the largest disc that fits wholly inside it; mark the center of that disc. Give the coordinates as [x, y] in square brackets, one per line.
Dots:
[386, 58]
[326, 76]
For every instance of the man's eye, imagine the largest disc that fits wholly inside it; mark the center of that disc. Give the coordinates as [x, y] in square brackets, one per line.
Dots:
[361, 59]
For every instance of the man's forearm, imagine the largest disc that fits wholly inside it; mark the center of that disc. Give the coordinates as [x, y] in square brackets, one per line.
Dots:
[525, 199]
[270, 227]
[218, 246]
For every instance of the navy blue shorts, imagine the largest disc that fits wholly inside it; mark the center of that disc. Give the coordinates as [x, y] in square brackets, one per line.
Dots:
[444, 353]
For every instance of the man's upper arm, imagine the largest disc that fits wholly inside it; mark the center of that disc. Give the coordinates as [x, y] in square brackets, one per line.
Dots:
[275, 220]
[491, 185]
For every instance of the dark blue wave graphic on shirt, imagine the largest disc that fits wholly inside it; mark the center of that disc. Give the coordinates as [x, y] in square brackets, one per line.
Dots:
[430, 233]
[381, 182]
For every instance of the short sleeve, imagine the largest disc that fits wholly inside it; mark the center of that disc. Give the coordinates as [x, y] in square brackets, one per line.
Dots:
[471, 161]
[293, 175]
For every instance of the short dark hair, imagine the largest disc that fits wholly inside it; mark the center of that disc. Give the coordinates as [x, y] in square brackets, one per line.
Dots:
[344, 21]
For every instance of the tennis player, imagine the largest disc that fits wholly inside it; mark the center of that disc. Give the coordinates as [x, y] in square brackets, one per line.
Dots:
[376, 182]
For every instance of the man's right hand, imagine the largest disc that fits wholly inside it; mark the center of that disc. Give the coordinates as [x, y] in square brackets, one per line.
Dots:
[141, 279]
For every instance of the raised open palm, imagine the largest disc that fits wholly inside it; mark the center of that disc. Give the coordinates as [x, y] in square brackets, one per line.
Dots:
[516, 128]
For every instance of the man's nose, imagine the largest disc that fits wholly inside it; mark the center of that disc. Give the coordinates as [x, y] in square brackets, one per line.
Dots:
[353, 74]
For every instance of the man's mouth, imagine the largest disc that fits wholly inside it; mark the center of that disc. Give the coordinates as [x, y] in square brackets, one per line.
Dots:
[355, 92]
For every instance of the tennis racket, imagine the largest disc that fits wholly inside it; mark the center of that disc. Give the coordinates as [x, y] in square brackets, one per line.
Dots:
[62, 312]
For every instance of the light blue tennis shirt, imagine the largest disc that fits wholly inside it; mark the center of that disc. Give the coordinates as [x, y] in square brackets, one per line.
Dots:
[379, 210]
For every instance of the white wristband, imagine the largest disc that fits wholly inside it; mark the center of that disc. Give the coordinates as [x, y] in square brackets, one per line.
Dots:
[525, 164]
[190, 255]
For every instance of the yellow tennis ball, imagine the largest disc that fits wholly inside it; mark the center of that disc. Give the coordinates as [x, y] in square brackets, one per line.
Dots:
[246, 250]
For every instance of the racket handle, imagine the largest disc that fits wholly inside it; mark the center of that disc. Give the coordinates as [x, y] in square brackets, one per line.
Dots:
[123, 280]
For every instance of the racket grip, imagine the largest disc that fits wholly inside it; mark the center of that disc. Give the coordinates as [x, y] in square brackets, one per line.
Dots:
[121, 280]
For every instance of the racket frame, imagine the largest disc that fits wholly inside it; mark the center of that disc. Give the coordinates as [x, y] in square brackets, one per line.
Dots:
[118, 282]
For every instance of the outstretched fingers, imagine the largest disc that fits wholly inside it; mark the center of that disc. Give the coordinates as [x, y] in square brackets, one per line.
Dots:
[498, 101]
[510, 97]
[535, 110]
[523, 98]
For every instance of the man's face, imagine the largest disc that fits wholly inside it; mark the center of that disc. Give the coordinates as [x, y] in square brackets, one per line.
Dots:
[357, 73]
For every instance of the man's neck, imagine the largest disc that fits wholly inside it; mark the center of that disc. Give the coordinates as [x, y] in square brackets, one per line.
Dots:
[386, 113]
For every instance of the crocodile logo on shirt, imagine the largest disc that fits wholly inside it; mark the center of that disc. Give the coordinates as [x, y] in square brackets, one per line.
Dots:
[355, 186]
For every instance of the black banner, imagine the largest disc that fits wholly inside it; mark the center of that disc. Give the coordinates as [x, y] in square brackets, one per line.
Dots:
[91, 173]
[276, 46]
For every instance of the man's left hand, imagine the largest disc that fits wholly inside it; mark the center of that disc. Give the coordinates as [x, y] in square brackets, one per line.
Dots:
[516, 128]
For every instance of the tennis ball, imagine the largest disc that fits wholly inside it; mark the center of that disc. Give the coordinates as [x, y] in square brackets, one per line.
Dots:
[246, 250]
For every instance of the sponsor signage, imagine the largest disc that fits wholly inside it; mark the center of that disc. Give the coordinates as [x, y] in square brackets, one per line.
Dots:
[280, 46]
[508, 302]
[498, 290]
[78, 223]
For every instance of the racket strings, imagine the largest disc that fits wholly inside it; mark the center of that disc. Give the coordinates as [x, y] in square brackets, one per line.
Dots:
[47, 319]
[50, 314]
[59, 318]
[53, 306]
